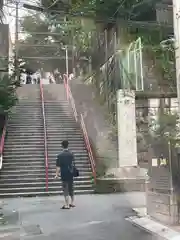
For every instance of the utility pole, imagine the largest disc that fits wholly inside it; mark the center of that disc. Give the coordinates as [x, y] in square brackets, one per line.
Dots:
[16, 40]
[66, 51]
[67, 62]
[176, 15]
[73, 55]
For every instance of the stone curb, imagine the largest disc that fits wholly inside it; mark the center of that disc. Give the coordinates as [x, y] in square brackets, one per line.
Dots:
[155, 228]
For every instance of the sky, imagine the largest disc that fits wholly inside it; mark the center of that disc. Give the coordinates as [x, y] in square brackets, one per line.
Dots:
[10, 11]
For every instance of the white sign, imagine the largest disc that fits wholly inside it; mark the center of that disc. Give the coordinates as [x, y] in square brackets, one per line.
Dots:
[127, 145]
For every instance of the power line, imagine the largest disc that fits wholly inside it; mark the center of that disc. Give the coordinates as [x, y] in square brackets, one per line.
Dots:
[54, 3]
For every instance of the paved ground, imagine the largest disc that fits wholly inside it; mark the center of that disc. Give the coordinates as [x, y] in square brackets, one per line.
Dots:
[96, 217]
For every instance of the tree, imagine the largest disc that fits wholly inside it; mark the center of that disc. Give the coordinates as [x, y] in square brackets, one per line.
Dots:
[131, 9]
[61, 33]
[26, 51]
[8, 97]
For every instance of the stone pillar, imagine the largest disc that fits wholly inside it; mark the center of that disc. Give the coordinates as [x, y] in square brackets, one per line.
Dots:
[130, 176]
[127, 144]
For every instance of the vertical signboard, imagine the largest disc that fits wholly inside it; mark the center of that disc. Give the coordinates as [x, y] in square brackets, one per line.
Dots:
[127, 144]
[4, 47]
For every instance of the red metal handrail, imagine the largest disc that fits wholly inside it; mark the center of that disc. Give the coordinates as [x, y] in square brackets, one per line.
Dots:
[82, 124]
[88, 146]
[70, 97]
[2, 145]
[45, 135]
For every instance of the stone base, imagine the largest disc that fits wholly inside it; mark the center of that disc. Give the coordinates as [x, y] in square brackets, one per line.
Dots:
[124, 180]
[114, 185]
[163, 207]
[128, 172]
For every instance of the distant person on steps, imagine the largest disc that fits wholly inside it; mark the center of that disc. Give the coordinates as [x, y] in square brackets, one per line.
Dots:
[64, 169]
[28, 79]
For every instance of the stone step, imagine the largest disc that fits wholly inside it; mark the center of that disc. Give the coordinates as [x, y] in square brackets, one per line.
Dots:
[16, 117]
[65, 136]
[62, 127]
[59, 114]
[22, 114]
[27, 130]
[25, 124]
[55, 183]
[27, 111]
[38, 171]
[24, 145]
[80, 155]
[16, 175]
[25, 148]
[41, 193]
[27, 157]
[71, 144]
[64, 131]
[39, 152]
[30, 105]
[72, 141]
[35, 179]
[52, 147]
[21, 123]
[41, 188]
[23, 141]
[82, 158]
[58, 111]
[53, 138]
[21, 158]
[79, 158]
[33, 170]
[61, 124]
[51, 167]
[25, 127]
[58, 120]
[52, 152]
[23, 138]
[55, 102]
[50, 133]
[23, 106]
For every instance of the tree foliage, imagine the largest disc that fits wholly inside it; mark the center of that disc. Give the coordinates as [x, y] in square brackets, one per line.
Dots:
[131, 9]
[8, 96]
[57, 35]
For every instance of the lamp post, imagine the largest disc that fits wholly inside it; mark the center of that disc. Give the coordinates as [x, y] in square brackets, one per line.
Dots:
[67, 62]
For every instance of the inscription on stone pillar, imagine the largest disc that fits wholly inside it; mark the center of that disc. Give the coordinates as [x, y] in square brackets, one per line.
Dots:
[127, 145]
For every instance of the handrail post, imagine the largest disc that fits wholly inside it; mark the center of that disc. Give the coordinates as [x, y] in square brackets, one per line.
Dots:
[45, 134]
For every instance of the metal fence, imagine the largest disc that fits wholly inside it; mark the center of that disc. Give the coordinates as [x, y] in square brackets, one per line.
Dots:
[115, 69]
[157, 123]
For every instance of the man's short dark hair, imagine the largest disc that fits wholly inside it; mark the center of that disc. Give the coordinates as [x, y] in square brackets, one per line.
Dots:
[65, 144]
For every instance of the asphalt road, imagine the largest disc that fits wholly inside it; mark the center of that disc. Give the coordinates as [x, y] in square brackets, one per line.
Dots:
[96, 217]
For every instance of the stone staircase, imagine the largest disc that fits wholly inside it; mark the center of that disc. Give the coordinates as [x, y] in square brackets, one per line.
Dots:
[23, 172]
[62, 126]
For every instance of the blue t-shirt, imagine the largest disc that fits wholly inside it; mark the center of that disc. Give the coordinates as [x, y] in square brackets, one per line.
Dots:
[65, 162]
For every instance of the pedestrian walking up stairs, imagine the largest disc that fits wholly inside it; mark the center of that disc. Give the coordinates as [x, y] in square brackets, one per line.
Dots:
[61, 125]
[23, 172]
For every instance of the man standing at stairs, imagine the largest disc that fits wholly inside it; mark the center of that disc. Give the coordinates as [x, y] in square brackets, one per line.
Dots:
[64, 167]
